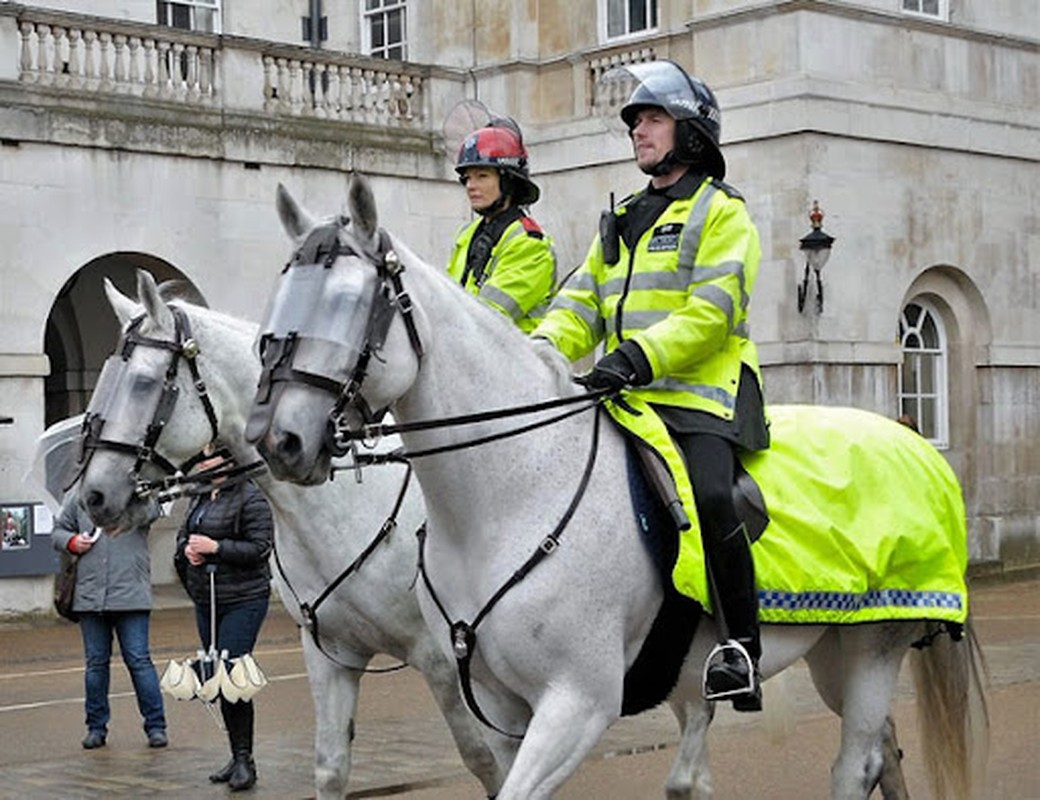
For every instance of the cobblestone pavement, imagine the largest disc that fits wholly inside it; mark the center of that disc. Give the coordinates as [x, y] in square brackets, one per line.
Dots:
[403, 750]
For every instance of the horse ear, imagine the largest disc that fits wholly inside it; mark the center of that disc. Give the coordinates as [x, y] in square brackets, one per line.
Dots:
[362, 204]
[295, 219]
[148, 293]
[125, 309]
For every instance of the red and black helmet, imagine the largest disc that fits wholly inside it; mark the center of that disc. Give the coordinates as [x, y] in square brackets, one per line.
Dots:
[500, 146]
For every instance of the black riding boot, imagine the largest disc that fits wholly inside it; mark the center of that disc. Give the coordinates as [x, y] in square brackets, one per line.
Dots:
[733, 573]
[240, 772]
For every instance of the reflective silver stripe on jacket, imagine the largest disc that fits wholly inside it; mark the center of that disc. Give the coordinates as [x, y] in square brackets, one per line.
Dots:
[588, 315]
[720, 396]
[496, 295]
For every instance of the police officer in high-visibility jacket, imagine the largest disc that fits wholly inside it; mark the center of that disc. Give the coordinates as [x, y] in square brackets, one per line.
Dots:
[503, 256]
[666, 284]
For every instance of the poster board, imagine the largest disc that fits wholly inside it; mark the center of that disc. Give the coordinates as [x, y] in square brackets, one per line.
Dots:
[25, 540]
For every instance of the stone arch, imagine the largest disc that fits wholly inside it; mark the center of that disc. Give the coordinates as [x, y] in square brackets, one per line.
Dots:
[81, 329]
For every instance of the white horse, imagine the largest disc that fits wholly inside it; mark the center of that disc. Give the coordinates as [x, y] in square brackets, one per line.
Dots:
[319, 531]
[551, 653]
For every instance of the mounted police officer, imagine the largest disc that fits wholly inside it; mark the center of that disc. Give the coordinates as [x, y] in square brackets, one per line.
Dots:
[503, 256]
[667, 284]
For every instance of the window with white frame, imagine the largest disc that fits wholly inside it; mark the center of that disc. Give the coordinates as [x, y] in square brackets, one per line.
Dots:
[923, 390]
[621, 18]
[937, 9]
[190, 15]
[384, 29]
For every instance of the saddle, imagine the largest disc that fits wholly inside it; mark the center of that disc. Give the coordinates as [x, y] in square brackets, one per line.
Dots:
[747, 496]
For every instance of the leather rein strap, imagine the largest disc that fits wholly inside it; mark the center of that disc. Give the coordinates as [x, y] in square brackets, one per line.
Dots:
[309, 611]
[464, 634]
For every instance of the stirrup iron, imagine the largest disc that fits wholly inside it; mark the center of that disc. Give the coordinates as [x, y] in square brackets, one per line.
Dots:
[730, 650]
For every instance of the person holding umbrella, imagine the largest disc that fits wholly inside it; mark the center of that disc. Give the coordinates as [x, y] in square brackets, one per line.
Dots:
[221, 557]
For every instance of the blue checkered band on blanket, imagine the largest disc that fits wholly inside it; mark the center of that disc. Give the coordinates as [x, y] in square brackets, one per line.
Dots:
[845, 601]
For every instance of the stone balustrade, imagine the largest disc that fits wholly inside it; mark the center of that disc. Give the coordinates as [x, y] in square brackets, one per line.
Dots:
[97, 57]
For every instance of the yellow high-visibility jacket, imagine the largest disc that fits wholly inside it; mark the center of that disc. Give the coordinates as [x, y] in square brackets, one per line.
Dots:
[520, 276]
[682, 294]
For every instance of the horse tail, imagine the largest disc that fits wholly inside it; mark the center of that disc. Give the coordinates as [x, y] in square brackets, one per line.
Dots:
[952, 716]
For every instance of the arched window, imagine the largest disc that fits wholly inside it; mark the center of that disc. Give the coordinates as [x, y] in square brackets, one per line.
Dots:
[923, 386]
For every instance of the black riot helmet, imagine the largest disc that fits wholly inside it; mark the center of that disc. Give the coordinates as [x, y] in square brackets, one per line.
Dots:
[698, 123]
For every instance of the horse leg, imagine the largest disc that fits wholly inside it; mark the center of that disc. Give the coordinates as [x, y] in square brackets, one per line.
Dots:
[892, 784]
[690, 776]
[335, 693]
[562, 731]
[486, 753]
[871, 656]
[825, 668]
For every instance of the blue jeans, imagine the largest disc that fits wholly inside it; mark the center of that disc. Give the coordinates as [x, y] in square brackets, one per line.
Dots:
[131, 628]
[238, 625]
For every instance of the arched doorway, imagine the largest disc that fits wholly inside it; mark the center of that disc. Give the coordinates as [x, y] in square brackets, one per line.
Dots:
[82, 330]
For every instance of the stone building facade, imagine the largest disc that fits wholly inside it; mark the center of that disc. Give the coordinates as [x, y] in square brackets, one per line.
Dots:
[143, 134]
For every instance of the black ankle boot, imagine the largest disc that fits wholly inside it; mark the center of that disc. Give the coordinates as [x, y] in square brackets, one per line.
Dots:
[243, 773]
[223, 775]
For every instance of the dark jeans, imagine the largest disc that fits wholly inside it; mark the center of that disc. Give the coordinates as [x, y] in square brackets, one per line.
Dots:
[131, 628]
[237, 625]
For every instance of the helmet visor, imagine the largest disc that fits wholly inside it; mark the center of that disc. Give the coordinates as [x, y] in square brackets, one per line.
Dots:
[663, 84]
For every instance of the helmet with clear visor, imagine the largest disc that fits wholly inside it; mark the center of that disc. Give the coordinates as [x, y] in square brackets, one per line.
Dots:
[664, 84]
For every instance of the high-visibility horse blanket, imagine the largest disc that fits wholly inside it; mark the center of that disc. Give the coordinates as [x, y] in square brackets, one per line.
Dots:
[867, 518]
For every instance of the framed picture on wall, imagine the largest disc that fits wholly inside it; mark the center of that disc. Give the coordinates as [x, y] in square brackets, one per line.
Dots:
[15, 527]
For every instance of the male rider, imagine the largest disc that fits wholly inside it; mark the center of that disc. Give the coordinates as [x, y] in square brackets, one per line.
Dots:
[667, 286]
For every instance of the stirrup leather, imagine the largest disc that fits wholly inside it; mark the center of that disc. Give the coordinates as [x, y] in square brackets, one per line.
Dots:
[730, 650]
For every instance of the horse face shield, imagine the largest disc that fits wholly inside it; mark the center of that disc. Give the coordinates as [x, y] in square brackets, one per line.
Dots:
[325, 312]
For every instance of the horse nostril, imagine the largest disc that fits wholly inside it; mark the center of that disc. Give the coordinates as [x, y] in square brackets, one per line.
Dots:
[95, 499]
[291, 445]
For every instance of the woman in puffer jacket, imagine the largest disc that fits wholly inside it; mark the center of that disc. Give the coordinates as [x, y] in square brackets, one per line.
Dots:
[229, 532]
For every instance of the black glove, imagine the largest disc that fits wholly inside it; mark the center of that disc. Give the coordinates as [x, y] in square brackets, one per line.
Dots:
[625, 366]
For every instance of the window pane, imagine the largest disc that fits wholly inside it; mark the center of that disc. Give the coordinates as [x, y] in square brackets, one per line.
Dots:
[616, 18]
[927, 422]
[910, 367]
[930, 7]
[205, 19]
[378, 40]
[927, 374]
[636, 15]
[181, 17]
[929, 332]
[653, 13]
[371, 4]
[395, 53]
[395, 21]
[912, 313]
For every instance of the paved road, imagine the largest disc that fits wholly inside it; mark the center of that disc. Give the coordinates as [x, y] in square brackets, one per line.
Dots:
[403, 750]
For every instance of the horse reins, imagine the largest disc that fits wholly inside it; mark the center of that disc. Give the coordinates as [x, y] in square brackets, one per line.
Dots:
[391, 297]
[309, 611]
[464, 634]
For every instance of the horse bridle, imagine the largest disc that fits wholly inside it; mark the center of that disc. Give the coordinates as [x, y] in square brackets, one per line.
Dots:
[277, 353]
[183, 346]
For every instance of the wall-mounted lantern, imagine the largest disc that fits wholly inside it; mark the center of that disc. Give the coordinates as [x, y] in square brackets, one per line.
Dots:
[817, 248]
